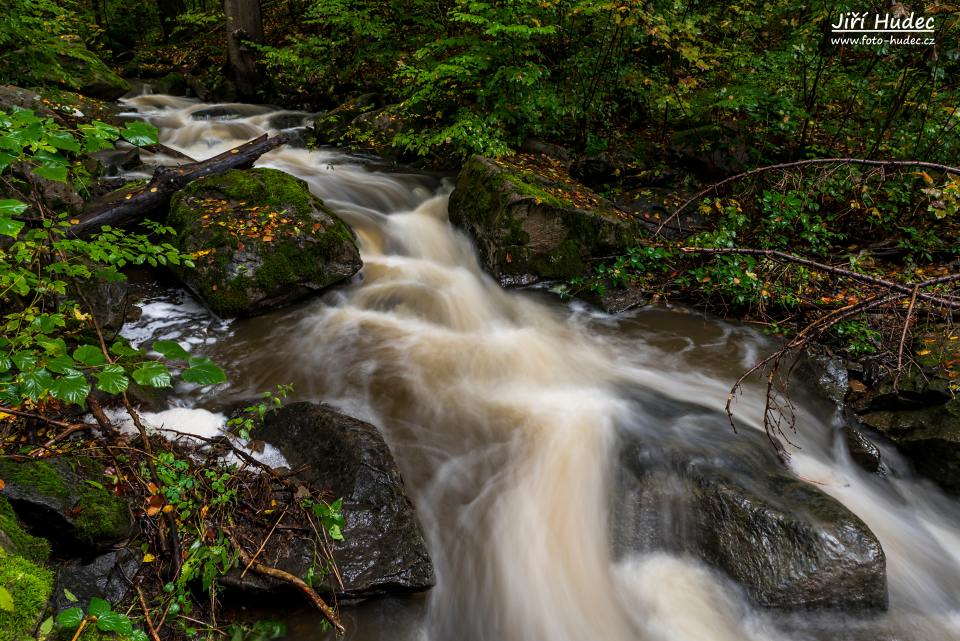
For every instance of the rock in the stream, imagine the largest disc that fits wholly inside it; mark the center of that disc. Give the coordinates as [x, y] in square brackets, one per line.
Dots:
[525, 232]
[922, 418]
[54, 498]
[383, 549]
[330, 127]
[863, 451]
[260, 240]
[790, 545]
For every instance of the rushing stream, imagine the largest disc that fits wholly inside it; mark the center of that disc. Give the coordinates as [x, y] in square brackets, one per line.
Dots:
[504, 410]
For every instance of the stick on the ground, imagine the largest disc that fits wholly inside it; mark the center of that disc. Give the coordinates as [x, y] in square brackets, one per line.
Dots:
[168, 180]
[295, 581]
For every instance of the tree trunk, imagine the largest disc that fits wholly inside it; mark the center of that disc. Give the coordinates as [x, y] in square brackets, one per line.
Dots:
[243, 25]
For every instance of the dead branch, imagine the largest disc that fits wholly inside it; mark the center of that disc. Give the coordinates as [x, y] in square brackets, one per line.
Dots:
[168, 180]
[802, 163]
[286, 577]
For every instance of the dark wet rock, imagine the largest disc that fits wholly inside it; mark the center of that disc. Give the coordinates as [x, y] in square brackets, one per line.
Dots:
[260, 240]
[534, 146]
[711, 150]
[54, 195]
[375, 130]
[173, 84]
[331, 126]
[218, 112]
[12, 97]
[921, 417]
[863, 451]
[113, 161]
[826, 373]
[54, 498]
[597, 171]
[383, 550]
[790, 545]
[287, 120]
[524, 231]
[111, 302]
[108, 577]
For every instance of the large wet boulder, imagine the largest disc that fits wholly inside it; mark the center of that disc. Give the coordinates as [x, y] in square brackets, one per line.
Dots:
[790, 545]
[63, 501]
[107, 577]
[383, 550]
[330, 126]
[260, 240]
[87, 73]
[922, 418]
[527, 228]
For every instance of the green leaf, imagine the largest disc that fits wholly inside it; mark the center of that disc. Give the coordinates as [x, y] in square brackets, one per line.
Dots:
[11, 207]
[72, 387]
[152, 374]
[203, 371]
[60, 364]
[112, 379]
[171, 350]
[10, 227]
[70, 618]
[46, 627]
[6, 600]
[36, 383]
[335, 533]
[25, 360]
[63, 140]
[115, 622]
[121, 348]
[5, 363]
[98, 607]
[70, 596]
[58, 174]
[140, 133]
[89, 355]
[139, 635]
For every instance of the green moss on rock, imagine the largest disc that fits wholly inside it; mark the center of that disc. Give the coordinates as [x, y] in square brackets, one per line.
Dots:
[31, 547]
[260, 240]
[525, 232]
[30, 585]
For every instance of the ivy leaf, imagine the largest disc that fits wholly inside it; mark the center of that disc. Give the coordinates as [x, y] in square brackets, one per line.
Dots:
[203, 371]
[6, 600]
[89, 355]
[98, 607]
[70, 618]
[72, 387]
[115, 622]
[112, 379]
[152, 374]
[58, 174]
[140, 133]
[171, 350]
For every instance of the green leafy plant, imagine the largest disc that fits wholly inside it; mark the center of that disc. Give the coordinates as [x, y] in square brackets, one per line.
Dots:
[252, 415]
[100, 615]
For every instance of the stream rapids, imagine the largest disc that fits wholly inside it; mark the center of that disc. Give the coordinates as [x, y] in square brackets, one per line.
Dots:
[504, 410]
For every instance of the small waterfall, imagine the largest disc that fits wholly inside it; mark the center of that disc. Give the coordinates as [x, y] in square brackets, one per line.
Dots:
[503, 410]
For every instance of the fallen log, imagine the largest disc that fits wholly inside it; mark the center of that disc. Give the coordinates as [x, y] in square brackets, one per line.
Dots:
[168, 180]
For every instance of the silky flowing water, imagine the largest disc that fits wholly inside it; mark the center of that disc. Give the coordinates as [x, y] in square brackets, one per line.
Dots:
[504, 410]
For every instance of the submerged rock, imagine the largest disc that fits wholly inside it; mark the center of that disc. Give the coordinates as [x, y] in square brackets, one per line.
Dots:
[525, 232]
[54, 498]
[383, 549]
[260, 240]
[788, 544]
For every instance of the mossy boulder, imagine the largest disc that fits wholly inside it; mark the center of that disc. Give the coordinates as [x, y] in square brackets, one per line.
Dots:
[15, 540]
[62, 500]
[30, 586]
[87, 73]
[260, 240]
[527, 228]
[329, 127]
